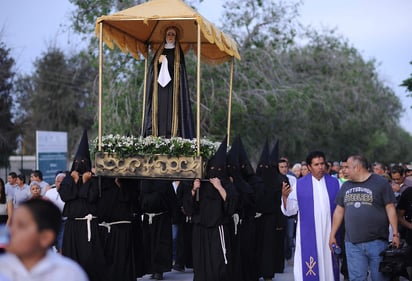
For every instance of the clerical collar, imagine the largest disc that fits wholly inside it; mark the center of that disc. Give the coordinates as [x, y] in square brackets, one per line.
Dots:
[169, 46]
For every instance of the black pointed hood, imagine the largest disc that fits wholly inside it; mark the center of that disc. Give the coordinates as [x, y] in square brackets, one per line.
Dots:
[246, 168]
[274, 155]
[234, 168]
[264, 158]
[216, 166]
[233, 158]
[82, 162]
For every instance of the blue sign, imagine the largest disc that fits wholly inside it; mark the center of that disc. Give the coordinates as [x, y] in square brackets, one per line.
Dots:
[50, 163]
[51, 153]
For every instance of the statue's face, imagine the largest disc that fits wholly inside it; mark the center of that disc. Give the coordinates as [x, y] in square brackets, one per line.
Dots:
[171, 36]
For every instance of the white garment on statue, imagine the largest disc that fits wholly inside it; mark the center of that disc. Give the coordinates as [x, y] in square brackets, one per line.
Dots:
[164, 75]
[322, 228]
[170, 45]
[52, 267]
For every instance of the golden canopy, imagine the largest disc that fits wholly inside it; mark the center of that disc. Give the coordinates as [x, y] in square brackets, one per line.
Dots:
[136, 29]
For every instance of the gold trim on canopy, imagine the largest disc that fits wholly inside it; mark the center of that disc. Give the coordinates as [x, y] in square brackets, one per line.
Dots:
[134, 29]
[141, 27]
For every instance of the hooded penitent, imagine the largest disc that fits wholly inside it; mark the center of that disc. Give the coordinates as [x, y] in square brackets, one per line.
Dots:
[233, 159]
[274, 157]
[263, 163]
[82, 162]
[216, 166]
[246, 168]
[247, 202]
[268, 172]
[233, 166]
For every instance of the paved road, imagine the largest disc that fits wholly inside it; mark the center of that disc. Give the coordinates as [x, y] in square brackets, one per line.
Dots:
[188, 275]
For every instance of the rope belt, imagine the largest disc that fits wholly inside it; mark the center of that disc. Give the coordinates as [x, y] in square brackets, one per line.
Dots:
[222, 241]
[236, 220]
[88, 218]
[108, 225]
[152, 215]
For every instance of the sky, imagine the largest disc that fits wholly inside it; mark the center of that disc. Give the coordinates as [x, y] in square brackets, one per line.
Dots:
[379, 29]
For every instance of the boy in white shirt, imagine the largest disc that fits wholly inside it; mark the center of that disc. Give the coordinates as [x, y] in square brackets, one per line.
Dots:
[34, 228]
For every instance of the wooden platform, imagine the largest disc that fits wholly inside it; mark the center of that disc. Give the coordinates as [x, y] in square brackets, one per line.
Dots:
[149, 166]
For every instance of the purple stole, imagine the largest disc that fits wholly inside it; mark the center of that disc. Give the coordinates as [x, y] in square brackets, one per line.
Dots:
[304, 190]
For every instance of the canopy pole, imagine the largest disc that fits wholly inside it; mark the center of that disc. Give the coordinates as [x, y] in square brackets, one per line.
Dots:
[229, 113]
[100, 86]
[198, 92]
[146, 62]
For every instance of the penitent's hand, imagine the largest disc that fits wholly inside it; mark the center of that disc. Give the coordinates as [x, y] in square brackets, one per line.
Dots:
[75, 176]
[216, 183]
[196, 186]
[87, 176]
[218, 186]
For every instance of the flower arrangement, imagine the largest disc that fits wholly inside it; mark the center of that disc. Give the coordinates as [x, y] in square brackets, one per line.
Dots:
[129, 146]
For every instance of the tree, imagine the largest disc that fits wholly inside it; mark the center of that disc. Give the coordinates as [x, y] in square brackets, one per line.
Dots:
[8, 129]
[343, 99]
[307, 89]
[321, 94]
[59, 96]
[407, 83]
[257, 23]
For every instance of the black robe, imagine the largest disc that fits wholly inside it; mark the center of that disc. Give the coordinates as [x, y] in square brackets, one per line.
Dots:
[245, 268]
[165, 101]
[133, 187]
[115, 211]
[80, 200]
[211, 217]
[270, 226]
[157, 197]
[184, 229]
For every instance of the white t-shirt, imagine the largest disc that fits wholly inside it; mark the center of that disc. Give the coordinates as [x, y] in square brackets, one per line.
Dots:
[20, 195]
[43, 186]
[54, 196]
[51, 268]
[10, 189]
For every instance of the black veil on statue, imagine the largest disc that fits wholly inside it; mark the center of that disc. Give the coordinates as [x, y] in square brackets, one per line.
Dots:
[172, 102]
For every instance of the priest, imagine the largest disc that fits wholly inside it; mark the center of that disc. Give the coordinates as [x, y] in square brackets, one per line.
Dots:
[313, 201]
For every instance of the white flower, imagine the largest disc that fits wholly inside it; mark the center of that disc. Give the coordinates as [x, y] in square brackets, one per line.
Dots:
[129, 146]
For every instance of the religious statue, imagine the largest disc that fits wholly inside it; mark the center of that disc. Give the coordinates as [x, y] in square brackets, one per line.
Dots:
[168, 108]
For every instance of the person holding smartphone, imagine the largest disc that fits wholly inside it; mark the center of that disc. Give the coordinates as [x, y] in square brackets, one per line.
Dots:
[313, 202]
